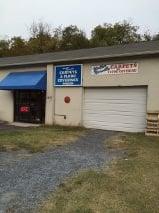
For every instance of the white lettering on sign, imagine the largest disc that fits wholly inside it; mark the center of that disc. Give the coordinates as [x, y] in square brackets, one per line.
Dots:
[68, 75]
[114, 69]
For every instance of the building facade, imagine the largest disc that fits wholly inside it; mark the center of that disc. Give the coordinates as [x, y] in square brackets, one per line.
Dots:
[111, 88]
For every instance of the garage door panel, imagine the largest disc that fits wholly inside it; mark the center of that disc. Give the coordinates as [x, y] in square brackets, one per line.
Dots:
[126, 112]
[116, 118]
[115, 93]
[113, 108]
[119, 125]
[100, 108]
[118, 101]
[115, 128]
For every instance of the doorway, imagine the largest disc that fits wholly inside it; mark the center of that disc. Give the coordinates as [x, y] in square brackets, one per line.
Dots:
[29, 106]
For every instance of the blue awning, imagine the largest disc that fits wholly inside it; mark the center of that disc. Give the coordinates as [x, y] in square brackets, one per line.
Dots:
[35, 80]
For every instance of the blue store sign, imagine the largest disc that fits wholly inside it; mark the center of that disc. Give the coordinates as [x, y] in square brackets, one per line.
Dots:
[68, 75]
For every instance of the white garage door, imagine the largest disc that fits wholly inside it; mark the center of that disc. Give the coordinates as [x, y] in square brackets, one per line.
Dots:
[122, 109]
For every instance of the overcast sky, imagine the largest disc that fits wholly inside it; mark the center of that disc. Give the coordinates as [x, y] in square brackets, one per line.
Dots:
[17, 15]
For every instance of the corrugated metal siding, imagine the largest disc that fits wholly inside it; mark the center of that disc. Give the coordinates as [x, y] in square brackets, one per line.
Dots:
[122, 109]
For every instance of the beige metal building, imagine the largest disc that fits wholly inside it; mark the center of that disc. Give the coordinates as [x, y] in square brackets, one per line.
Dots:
[111, 88]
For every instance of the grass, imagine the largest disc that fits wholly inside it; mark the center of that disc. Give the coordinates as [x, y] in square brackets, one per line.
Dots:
[130, 185]
[38, 139]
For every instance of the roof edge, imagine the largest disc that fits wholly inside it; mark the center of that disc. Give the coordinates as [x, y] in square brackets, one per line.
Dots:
[83, 58]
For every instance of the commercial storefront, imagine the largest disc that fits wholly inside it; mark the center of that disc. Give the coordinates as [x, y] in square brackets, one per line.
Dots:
[28, 94]
[29, 106]
[112, 88]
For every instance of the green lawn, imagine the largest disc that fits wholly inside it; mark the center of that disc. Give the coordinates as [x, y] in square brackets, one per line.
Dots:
[37, 139]
[130, 185]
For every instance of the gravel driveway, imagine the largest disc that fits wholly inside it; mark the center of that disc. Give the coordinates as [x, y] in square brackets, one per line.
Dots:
[27, 179]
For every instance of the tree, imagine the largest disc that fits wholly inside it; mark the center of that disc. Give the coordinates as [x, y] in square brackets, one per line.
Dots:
[73, 38]
[147, 36]
[4, 48]
[119, 33]
[45, 39]
[41, 40]
[156, 37]
[18, 46]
